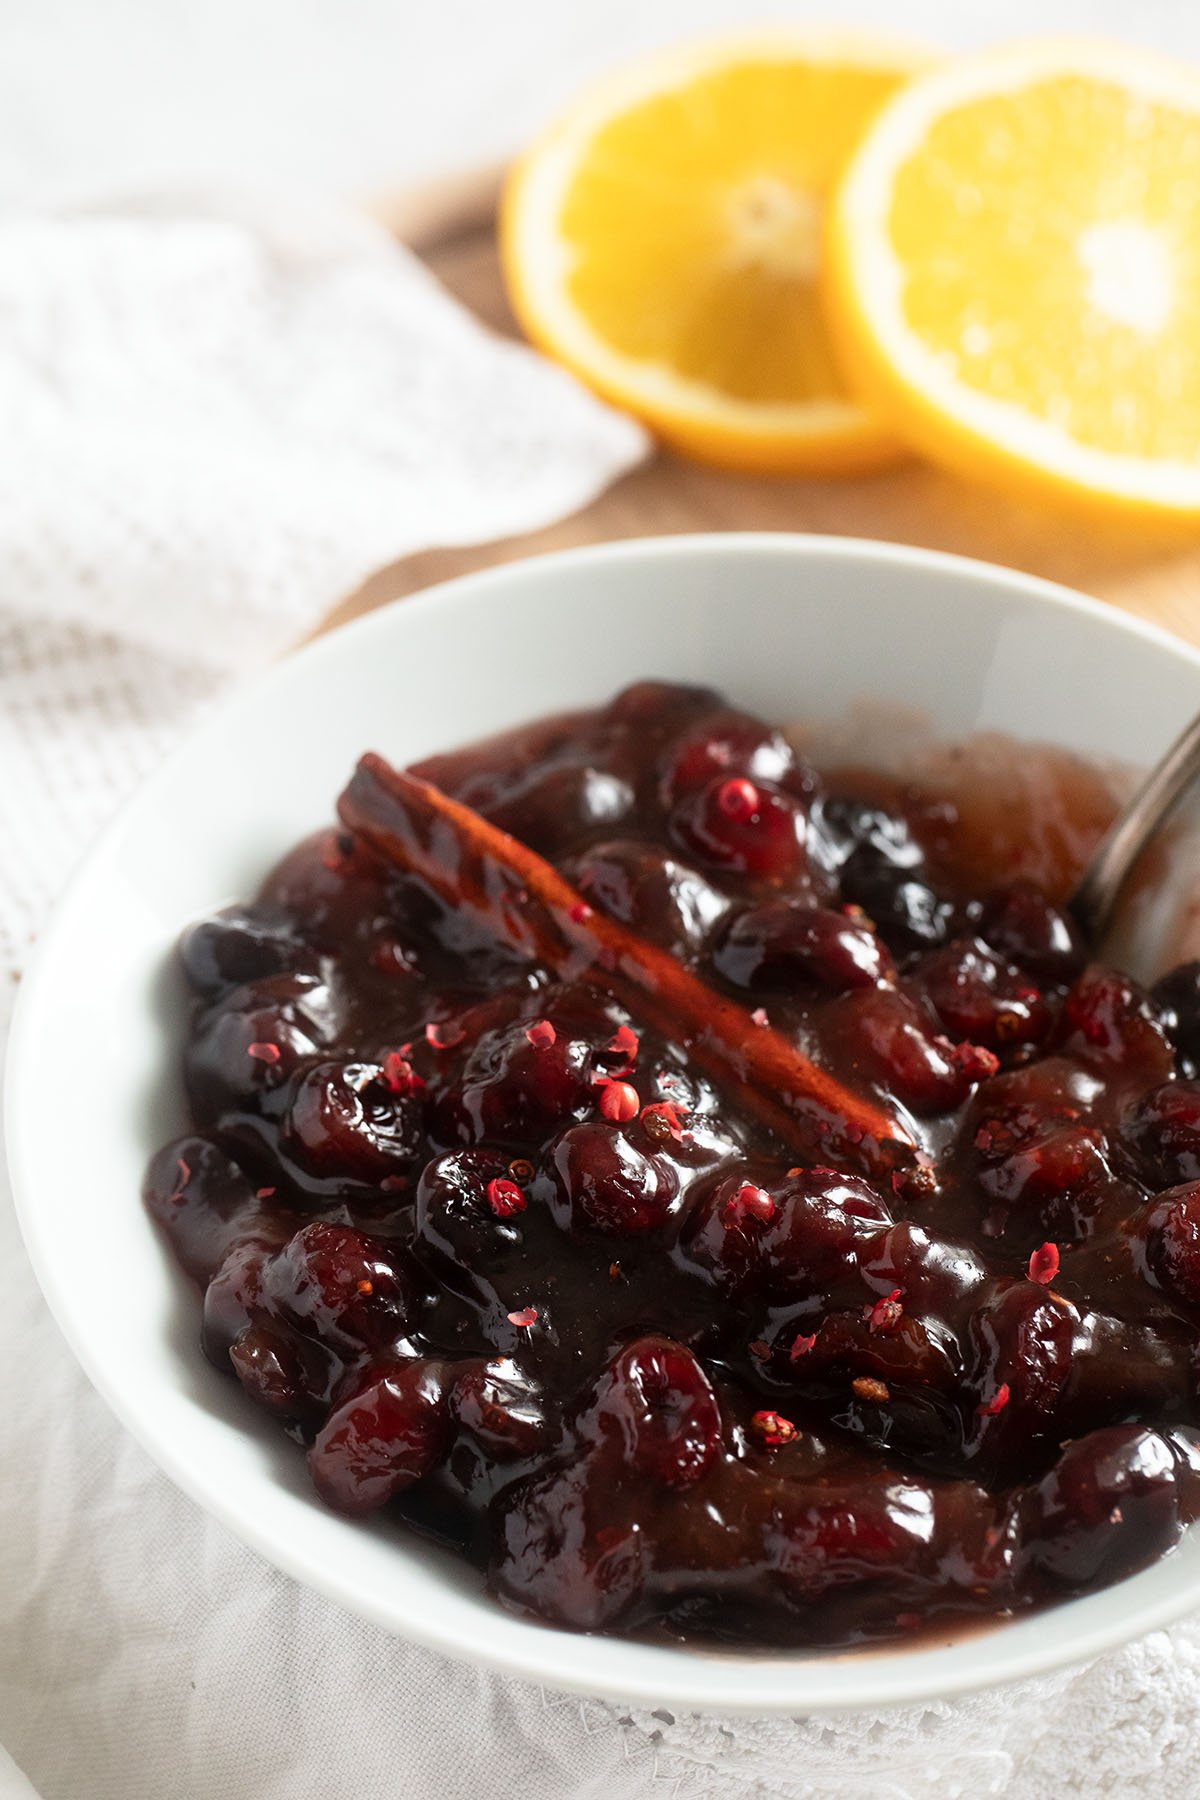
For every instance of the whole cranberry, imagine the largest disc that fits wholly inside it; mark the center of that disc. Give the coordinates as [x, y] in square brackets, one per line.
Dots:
[1035, 1159]
[341, 1286]
[724, 743]
[722, 1235]
[233, 1298]
[903, 908]
[458, 1235]
[822, 1226]
[344, 1121]
[882, 870]
[979, 996]
[935, 1274]
[742, 827]
[202, 1200]
[663, 900]
[872, 1529]
[325, 886]
[888, 1036]
[1109, 1506]
[655, 710]
[1177, 995]
[1170, 1233]
[818, 1230]
[514, 1091]
[1164, 1128]
[603, 1183]
[388, 1434]
[848, 825]
[1023, 1341]
[1107, 1016]
[239, 945]
[659, 1401]
[555, 807]
[884, 1353]
[1023, 925]
[780, 945]
[1033, 1093]
[501, 1407]
[246, 1046]
[285, 1376]
[563, 1553]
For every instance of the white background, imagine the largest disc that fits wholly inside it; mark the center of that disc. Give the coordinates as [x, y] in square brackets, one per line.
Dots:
[346, 97]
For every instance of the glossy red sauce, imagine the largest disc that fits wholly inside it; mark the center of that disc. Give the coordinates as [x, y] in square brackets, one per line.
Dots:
[519, 1263]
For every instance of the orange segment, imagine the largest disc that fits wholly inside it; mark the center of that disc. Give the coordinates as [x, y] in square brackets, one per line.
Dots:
[665, 240]
[1015, 271]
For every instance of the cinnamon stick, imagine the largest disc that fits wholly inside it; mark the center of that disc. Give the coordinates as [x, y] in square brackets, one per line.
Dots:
[520, 898]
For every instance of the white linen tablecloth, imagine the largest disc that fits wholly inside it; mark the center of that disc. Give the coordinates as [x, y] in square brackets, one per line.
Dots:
[212, 430]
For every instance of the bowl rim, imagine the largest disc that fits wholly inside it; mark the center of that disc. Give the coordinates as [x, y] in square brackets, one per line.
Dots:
[779, 1678]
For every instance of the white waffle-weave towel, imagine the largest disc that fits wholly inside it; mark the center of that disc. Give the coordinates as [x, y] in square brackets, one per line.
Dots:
[212, 430]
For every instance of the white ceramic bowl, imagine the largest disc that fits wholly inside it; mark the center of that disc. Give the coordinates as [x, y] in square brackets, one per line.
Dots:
[790, 626]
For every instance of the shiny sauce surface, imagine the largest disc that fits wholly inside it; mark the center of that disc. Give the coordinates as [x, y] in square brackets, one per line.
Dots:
[523, 1265]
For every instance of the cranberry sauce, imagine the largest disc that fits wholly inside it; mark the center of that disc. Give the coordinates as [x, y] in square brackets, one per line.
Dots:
[541, 1271]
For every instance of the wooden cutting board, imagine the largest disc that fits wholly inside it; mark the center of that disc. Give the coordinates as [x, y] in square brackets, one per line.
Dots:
[1156, 575]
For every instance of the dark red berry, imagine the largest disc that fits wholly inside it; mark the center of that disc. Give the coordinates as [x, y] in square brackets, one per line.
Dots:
[1109, 1017]
[248, 1044]
[515, 1092]
[1170, 1232]
[655, 711]
[1109, 1506]
[347, 1121]
[1052, 1165]
[241, 945]
[459, 1236]
[731, 745]
[560, 1553]
[850, 826]
[387, 1435]
[984, 999]
[1023, 1339]
[889, 1037]
[820, 1222]
[782, 946]
[501, 1407]
[556, 807]
[664, 901]
[1164, 1127]
[661, 1403]
[1018, 921]
[341, 1286]
[233, 1298]
[721, 827]
[277, 1372]
[1177, 996]
[203, 1202]
[603, 1183]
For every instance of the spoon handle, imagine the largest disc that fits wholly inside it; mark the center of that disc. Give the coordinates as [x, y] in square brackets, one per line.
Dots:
[1140, 817]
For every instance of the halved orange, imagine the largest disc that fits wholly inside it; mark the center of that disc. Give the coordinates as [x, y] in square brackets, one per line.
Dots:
[665, 239]
[1014, 270]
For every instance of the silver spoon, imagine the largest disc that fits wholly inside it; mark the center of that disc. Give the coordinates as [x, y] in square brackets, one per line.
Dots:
[1112, 860]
